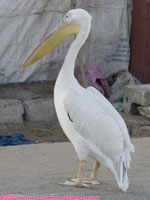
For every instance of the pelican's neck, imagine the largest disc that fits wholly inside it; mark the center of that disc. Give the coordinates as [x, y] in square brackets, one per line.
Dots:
[67, 69]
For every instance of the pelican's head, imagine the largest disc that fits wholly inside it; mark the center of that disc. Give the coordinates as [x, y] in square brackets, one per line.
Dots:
[77, 17]
[71, 24]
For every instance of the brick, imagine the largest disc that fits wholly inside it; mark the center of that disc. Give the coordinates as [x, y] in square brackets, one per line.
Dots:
[136, 95]
[11, 111]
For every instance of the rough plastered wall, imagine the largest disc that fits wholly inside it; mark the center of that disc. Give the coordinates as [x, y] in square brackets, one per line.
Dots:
[23, 23]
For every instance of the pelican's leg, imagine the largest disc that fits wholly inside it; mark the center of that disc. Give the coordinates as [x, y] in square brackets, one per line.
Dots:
[78, 181]
[92, 179]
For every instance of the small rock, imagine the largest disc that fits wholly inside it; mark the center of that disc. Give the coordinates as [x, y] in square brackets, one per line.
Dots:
[144, 111]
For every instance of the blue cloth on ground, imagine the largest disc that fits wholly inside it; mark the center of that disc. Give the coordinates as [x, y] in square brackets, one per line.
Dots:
[15, 139]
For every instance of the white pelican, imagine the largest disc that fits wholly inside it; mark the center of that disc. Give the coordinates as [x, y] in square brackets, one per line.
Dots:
[90, 122]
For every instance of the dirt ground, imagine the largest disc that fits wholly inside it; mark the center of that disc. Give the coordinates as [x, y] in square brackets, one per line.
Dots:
[40, 132]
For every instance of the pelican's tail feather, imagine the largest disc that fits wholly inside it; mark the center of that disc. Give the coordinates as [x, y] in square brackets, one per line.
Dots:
[123, 182]
[129, 146]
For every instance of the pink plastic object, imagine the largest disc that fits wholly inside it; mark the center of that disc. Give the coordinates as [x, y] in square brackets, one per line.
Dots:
[95, 77]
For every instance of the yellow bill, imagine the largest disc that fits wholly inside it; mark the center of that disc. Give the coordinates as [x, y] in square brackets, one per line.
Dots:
[50, 43]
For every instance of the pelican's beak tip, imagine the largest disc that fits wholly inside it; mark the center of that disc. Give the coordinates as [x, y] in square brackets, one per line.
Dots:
[22, 67]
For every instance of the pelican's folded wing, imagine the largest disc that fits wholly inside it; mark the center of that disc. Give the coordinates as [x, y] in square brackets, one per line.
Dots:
[95, 119]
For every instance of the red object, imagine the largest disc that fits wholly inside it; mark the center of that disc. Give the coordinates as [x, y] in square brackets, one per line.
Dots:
[140, 41]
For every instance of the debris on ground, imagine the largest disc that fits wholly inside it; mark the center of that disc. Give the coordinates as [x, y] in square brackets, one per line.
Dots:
[15, 139]
[117, 83]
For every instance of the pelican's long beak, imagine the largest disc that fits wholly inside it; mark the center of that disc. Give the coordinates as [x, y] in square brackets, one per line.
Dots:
[51, 42]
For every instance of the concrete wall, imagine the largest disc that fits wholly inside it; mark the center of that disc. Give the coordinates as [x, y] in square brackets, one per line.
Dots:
[27, 102]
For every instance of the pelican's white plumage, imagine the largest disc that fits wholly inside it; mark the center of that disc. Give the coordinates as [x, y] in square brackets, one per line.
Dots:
[90, 122]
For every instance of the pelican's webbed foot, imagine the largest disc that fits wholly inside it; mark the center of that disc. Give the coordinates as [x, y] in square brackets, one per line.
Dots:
[74, 184]
[92, 181]
[78, 182]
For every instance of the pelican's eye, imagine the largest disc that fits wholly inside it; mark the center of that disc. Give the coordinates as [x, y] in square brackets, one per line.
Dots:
[67, 18]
